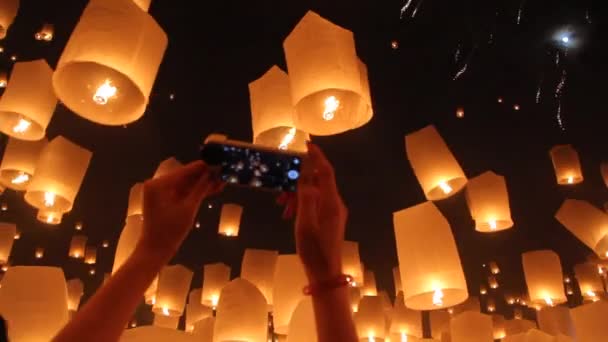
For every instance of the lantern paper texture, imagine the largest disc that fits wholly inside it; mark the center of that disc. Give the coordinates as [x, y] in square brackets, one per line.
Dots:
[328, 84]
[163, 321]
[59, 173]
[498, 324]
[494, 269]
[19, 162]
[8, 12]
[7, 238]
[241, 313]
[78, 246]
[555, 320]
[302, 326]
[405, 320]
[49, 217]
[588, 223]
[195, 311]
[351, 262]
[157, 334]
[531, 335]
[203, 329]
[289, 280]
[566, 165]
[431, 271]
[173, 286]
[471, 327]
[215, 277]
[136, 201]
[369, 284]
[34, 312]
[589, 281]
[590, 322]
[488, 202]
[230, 220]
[127, 241]
[436, 169]
[109, 65]
[354, 296]
[369, 320]
[518, 326]
[90, 255]
[397, 280]
[28, 103]
[544, 275]
[75, 291]
[258, 268]
[471, 304]
[143, 4]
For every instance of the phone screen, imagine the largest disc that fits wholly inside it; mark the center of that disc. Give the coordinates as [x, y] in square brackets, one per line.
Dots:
[258, 168]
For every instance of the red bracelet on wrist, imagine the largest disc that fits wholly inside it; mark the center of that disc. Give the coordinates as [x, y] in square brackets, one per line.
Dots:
[327, 285]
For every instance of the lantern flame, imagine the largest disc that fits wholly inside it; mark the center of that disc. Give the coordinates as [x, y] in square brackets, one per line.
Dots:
[570, 180]
[21, 178]
[355, 308]
[104, 93]
[438, 298]
[370, 337]
[38, 255]
[403, 336]
[287, 139]
[331, 106]
[493, 226]
[153, 300]
[165, 311]
[49, 199]
[49, 219]
[214, 300]
[445, 187]
[549, 301]
[22, 126]
[591, 293]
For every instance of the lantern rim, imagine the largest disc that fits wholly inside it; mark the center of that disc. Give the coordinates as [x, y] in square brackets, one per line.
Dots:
[43, 216]
[36, 199]
[484, 227]
[601, 248]
[424, 301]
[7, 175]
[273, 137]
[457, 184]
[10, 119]
[158, 309]
[573, 180]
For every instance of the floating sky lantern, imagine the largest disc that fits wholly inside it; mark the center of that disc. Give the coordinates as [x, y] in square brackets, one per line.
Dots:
[302, 326]
[164, 321]
[7, 238]
[397, 280]
[440, 323]
[492, 282]
[75, 291]
[136, 201]
[494, 269]
[173, 286]
[555, 320]
[369, 319]
[590, 321]
[78, 246]
[588, 223]
[369, 284]
[471, 327]
[405, 321]
[258, 268]
[3, 79]
[90, 255]
[351, 262]
[215, 277]
[543, 272]
[289, 280]
[498, 327]
[566, 165]
[19, 162]
[46, 33]
[589, 281]
[230, 220]
[39, 253]
[195, 310]
[8, 12]
[51, 218]
[488, 202]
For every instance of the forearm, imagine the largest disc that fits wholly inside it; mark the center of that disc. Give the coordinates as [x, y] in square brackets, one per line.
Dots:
[333, 316]
[106, 314]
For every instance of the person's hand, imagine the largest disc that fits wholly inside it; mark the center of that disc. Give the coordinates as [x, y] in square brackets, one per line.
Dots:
[170, 206]
[320, 218]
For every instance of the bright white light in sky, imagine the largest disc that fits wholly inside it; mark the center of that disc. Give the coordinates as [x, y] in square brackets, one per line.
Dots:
[565, 39]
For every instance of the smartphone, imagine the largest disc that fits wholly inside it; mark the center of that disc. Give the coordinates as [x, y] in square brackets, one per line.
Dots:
[245, 164]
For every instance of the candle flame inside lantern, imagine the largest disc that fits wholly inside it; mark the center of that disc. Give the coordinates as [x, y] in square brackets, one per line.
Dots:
[104, 93]
[493, 225]
[403, 336]
[165, 311]
[549, 301]
[49, 219]
[591, 293]
[445, 187]
[21, 178]
[287, 139]
[438, 298]
[370, 337]
[570, 180]
[331, 106]
[22, 126]
[214, 300]
[49, 199]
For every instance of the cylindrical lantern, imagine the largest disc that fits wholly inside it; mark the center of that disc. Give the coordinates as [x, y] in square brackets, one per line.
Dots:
[173, 286]
[215, 277]
[369, 320]
[471, 304]
[195, 311]
[369, 283]
[490, 305]
[588, 223]
[589, 281]
[59, 174]
[329, 85]
[492, 282]
[230, 220]
[498, 323]
[78, 246]
[471, 327]
[494, 269]
[241, 313]
[46, 33]
[590, 322]
[90, 255]
[7, 238]
[438, 172]
[39, 253]
[258, 268]
[488, 202]
[302, 326]
[440, 323]
[33, 300]
[19, 162]
[272, 113]
[167, 166]
[354, 296]
[543, 272]
[28, 102]
[405, 321]
[3, 79]
[397, 280]
[604, 171]
[430, 266]
[136, 201]
[555, 320]
[289, 280]
[8, 12]
[49, 217]
[351, 262]
[566, 165]
[109, 65]
[164, 321]
[203, 329]
[127, 241]
[75, 292]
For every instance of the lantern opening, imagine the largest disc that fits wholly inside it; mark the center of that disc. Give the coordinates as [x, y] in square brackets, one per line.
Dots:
[104, 93]
[49, 199]
[370, 337]
[22, 126]
[493, 225]
[403, 336]
[445, 187]
[49, 219]
[214, 300]
[438, 298]
[21, 178]
[288, 139]
[165, 311]
[549, 301]
[331, 106]
[570, 180]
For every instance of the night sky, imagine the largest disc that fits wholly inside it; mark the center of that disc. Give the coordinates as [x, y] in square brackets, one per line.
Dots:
[216, 50]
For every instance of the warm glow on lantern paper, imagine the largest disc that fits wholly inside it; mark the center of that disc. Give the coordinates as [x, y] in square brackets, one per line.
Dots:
[404, 320]
[75, 291]
[203, 330]
[230, 220]
[351, 262]
[28, 103]
[354, 296]
[143, 4]
[329, 87]
[59, 173]
[78, 246]
[369, 284]
[115, 45]
[7, 238]
[471, 327]
[494, 269]
[492, 282]
[471, 304]
[518, 326]
[397, 280]
[19, 162]
[440, 323]
[566, 165]
[46, 33]
[590, 322]
[589, 281]
[498, 327]
[157, 334]
[369, 320]
[167, 166]
[488, 202]
[531, 335]
[136, 201]
[195, 311]
[555, 320]
[258, 268]
[241, 313]
[272, 113]
[8, 12]
[173, 286]
[34, 312]
[543, 272]
[289, 280]
[588, 223]
[302, 326]
[127, 241]
[90, 255]
[215, 277]
[164, 321]
[438, 172]
[431, 271]
[49, 217]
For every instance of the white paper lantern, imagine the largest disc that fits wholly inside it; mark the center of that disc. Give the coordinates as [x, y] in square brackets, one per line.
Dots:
[19, 162]
[566, 165]
[590, 322]
[173, 286]
[215, 277]
[589, 281]
[406, 321]
[543, 272]
[302, 326]
[369, 284]
[75, 291]
[369, 320]
[471, 327]
[157, 334]
[7, 238]
[289, 280]
[556, 320]
[8, 12]
[488, 202]
[258, 268]
[588, 223]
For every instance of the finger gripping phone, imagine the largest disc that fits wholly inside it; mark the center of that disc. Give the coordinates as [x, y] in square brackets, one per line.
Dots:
[245, 164]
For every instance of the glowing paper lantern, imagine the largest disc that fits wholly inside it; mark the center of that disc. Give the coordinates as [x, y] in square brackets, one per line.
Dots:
[604, 170]
[230, 220]
[405, 321]
[440, 323]
[397, 280]
[8, 12]
[59, 174]
[39, 253]
[369, 320]
[46, 33]
[488, 202]
[566, 165]
[75, 291]
[471, 327]
[195, 311]
[7, 238]
[494, 269]
[136, 201]
[289, 280]
[167, 166]
[543, 272]
[490, 305]
[215, 277]
[430, 266]
[34, 312]
[127, 241]
[272, 113]
[28, 102]
[590, 322]
[164, 321]
[3, 79]
[555, 320]
[438, 172]
[302, 326]
[354, 296]
[589, 281]
[203, 329]
[498, 323]
[258, 268]
[531, 335]
[588, 223]
[49, 217]
[492, 282]
[369, 284]
[157, 334]
[109, 65]
[351, 262]
[19, 162]
[173, 286]
[329, 84]
[90, 255]
[78, 246]
[518, 326]
[471, 304]
[143, 4]
[241, 313]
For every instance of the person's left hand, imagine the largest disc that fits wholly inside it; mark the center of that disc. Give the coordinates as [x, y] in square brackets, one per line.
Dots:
[170, 206]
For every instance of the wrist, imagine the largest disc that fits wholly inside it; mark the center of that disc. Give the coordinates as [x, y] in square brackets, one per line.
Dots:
[328, 285]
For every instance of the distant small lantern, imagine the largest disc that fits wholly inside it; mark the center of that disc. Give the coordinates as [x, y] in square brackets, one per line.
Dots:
[215, 277]
[369, 320]
[46, 33]
[498, 324]
[460, 112]
[230, 220]
[289, 280]
[78, 226]
[516, 107]
[588, 223]
[258, 268]
[471, 304]
[543, 272]
[8, 12]
[78, 246]
[272, 113]
[4, 207]
[96, 76]
[436, 279]
[397, 280]
[19, 162]
[438, 172]
[329, 85]
[351, 262]
[3, 79]
[589, 281]
[405, 322]
[39, 254]
[127, 241]
[92, 271]
[555, 321]
[59, 174]
[17, 235]
[395, 44]
[7, 238]
[488, 202]
[494, 269]
[105, 244]
[75, 292]
[483, 290]
[90, 255]
[566, 165]
[369, 284]
[136, 201]
[173, 286]
[569, 290]
[471, 327]
[492, 282]
[50, 218]
[490, 305]
[28, 102]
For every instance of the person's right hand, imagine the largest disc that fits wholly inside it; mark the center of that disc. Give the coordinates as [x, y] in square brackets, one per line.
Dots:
[320, 218]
